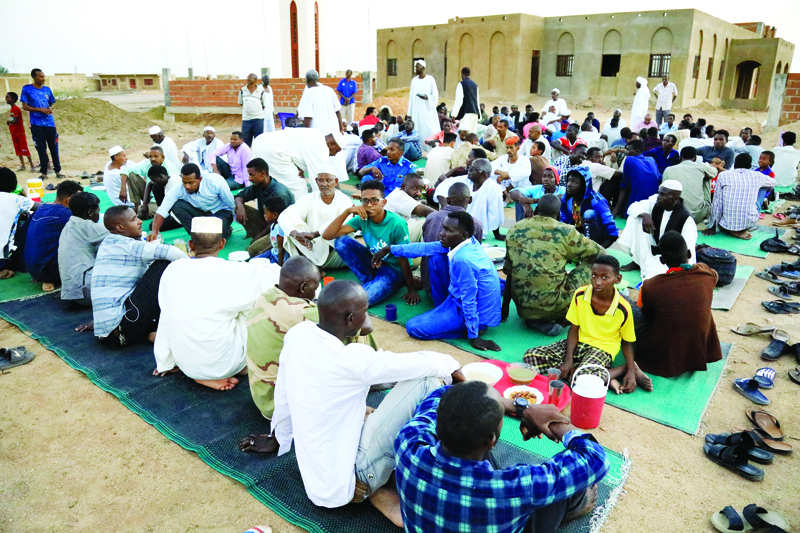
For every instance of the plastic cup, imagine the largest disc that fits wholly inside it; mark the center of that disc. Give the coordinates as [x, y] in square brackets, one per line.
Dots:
[556, 390]
[391, 312]
[326, 280]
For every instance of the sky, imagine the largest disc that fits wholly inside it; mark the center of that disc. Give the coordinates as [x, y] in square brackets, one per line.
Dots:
[90, 37]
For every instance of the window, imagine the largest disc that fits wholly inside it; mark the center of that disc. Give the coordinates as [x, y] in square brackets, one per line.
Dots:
[564, 65]
[610, 65]
[696, 68]
[148, 82]
[659, 65]
[114, 82]
[710, 72]
[105, 82]
[391, 67]
[721, 69]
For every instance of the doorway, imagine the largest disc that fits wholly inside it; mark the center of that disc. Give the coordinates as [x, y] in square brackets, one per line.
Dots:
[535, 56]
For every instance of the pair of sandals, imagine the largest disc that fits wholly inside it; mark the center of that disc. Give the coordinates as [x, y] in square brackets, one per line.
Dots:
[780, 345]
[785, 290]
[753, 518]
[13, 357]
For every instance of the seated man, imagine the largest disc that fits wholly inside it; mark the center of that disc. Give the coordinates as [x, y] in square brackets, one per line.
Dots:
[200, 151]
[587, 209]
[460, 155]
[438, 159]
[234, 170]
[389, 169]
[567, 162]
[566, 144]
[512, 169]
[665, 155]
[367, 153]
[405, 202]
[537, 252]
[438, 138]
[412, 150]
[202, 330]
[125, 280]
[719, 150]
[14, 212]
[449, 441]
[787, 160]
[648, 220]
[695, 178]
[526, 197]
[678, 301]
[487, 204]
[734, 208]
[474, 300]
[601, 320]
[320, 402]
[304, 222]
[455, 175]
[200, 196]
[126, 183]
[640, 178]
[262, 186]
[605, 179]
[650, 138]
[44, 230]
[159, 183]
[497, 142]
[668, 127]
[77, 248]
[378, 228]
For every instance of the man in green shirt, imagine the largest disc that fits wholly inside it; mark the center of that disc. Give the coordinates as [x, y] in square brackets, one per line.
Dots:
[379, 228]
[136, 177]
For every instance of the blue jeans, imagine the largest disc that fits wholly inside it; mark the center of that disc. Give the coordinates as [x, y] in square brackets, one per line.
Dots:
[45, 137]
[762, 195]
[412, 151]
[439, 278]
[379, 283]
[444, 322]
[594, 228]
[252, 129]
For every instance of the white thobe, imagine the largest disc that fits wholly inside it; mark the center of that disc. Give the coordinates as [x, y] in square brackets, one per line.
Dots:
[487, 205]
[320, 103]
[170, 151]
[641, 103]
[204, 303]
[423, 112]
[787, 159]
[402, 204]
[444, 187]
[310, 214]
[639, 243]
[269, 109]
[561, 106]
[286, 151]
[200, 151]
[519, 172]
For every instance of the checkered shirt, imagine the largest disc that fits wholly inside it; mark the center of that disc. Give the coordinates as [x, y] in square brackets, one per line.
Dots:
[734, 206]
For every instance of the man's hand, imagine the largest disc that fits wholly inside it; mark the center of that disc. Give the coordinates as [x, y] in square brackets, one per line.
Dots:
[483, 345]
[185, 159]
[359, 210]
[458, 376]
[89, 326]
[378, 256]
[411, 297]
[423, 96]
[152, 236]
[241, 216]
[123, 194]
[629, 382]
[527, 210]
[214, 168]
[47, 110]
[144, 210]
[259, 444]
[647, 223]
[536, 421]
[376, 173]
[567, 368]
[306, 239]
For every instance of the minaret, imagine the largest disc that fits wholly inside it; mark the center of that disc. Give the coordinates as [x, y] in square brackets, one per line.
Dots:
[301, 37]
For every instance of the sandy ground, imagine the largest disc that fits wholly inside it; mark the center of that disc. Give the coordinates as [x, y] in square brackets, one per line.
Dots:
[72, 458]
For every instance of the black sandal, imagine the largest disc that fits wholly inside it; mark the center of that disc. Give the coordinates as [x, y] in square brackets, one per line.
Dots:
[763, 520]
[733, 458]
[746, 441]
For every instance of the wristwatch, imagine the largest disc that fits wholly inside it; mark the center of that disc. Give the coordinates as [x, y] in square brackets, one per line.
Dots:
[520, 404]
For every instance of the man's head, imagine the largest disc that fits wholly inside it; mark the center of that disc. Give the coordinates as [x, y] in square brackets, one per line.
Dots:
[789, 138]
[587, 125]
[456, 228]
[475, 153]
[720, 139]
[479, 171]
[670, 119]
[413, 186]
[265, 80]
[312, 77]
[669, 194]
[327, 182]
[373, 197]
[605, 274]
[502, 126]
[465, 73]
[744, 160]
[371, 111]
[576, 184]
[554, 94]
[472, 138]
[447, 125]
[236, 139]
[635, 147]
[419, 67]
[85, 205]
[156, 134]
[122, 220]
[252, 79]
[572, 132]
[37, 76]
[668, 143]
[459, 195]
[273, 207]
[156, 155]
[343, 309]
[258, 172]
[206, 236]
[626, 133]
[689, 153]
[348, 74]
[395, 149]
[483, 106]
[335, 142]
[495, 119]
[118, 155]
[687, 117]
[766, 159]
[745, 134]
[753, 140]
[594, 154]
[549, 206]
[368, 137]
[469, 419]
[695, 133]
[665, 80]
[652, 133]
[158, 175]
[534, 132]
[648, 118]
[537, 148]
[408, 125]
[299, 277]
[578, 153]
[449, 139]
[65, 190]
[11, 98]
[8, 180]
[191, 178]
[673, 250]
[209, 133]
[550, 178]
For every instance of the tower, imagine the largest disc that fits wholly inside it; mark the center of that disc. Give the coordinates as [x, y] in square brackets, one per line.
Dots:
[301, 37]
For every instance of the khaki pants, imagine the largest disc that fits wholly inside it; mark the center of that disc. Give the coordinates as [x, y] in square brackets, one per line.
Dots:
[348, 113]
[254, 225]
[136, 185]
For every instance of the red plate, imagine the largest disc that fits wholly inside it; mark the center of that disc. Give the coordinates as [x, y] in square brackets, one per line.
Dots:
[539, 382]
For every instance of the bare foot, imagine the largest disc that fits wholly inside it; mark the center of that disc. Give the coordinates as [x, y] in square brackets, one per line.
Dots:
[614, 385]
[219, 384]
[591, 502]
[255, 443]
[630, 267]
[152, 337]
[6, 274]
[387, 500]
[643, 380]
[744, 234]
[48, 287]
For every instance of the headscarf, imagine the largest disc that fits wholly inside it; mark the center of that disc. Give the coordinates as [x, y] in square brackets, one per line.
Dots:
[421, 62]
[642, 81]
[555, 91]
[511, 140]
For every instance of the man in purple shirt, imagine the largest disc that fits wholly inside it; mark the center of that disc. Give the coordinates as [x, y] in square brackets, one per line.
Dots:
[38, 100]
[235, 170]
[367, 153]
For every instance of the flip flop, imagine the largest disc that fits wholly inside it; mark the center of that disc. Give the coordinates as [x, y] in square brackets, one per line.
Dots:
[794, 375]
[765, 377]
[782, 307]
[774, 446]
[752, 329]
[733, 458]
[781, 291]
[769, 276]
[777, 346]
[729, 521]
[760, 518]
[765, 422]
[788, 273]
[794, 250]
[11, 357]
[743, 439]
[749, 389]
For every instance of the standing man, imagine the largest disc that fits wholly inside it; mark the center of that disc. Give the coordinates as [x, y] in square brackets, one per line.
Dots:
[641, 101]
[666, 93]
[235, 169]
[319, 106]
[38, 101]
[199, 151]
[253, 100]
[347, 90]
[269, 104]
[167, 145]
[466, 107]
[422, 101]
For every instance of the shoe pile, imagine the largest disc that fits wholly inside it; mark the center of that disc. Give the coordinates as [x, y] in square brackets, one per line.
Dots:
[786, 289]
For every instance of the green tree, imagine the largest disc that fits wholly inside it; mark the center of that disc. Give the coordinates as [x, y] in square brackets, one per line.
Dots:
[3, 70]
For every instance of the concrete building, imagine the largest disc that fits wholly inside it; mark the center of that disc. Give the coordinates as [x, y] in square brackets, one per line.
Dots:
[125, 82]
[516, 55]
[301, 35]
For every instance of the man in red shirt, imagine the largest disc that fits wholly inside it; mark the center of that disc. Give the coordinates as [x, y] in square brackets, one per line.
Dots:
[17, 129]
[566, 144]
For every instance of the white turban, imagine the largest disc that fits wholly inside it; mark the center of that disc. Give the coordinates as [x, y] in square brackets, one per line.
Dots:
[555, 91]
[114, 151]
[206, 225]
[327, 169]
[339, 138]
[155, 130]
[642, 81]
[210, 128]
[672, 185]
[420, 62]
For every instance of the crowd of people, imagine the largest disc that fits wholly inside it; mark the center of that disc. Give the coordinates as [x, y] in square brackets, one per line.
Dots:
[308, 351]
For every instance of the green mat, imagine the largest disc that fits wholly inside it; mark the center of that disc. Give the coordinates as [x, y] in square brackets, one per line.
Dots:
[19, 287]
[739, 246]
[675, 402]
[788, 188]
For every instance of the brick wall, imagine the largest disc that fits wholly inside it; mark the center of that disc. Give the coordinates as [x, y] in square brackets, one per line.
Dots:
[791, 100]
[224, 93]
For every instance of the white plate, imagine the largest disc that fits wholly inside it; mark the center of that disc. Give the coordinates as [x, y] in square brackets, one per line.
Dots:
[496, 253]
[524, 388]
[99, 188]
[486, 372]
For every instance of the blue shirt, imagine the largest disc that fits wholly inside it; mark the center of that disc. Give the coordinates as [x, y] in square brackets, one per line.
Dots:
[442, 493]
[409, 138]
[44, 230]
[213, 195]
[392, 174]
[537, 191]
[42, 98]
[641, 177]
[664, 160]
[666, 129]
[348, 89]
[591, 200]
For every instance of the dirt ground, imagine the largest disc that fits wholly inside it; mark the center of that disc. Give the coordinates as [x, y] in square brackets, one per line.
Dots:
[72, 458]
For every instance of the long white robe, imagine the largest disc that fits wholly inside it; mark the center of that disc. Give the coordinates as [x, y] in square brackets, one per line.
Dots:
[286, 151]
[561, 106]
[199, 152]
[639, 243]
[423, 112]
[487, 202]
[641, 102]
[309, 214]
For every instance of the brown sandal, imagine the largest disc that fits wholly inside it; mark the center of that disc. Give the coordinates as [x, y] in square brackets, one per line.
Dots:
[765, 422]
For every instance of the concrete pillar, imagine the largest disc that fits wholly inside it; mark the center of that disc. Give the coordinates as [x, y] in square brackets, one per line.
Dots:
[191, 73]
[366, 78]
[265, 72]
[165, 85]
[776, 100]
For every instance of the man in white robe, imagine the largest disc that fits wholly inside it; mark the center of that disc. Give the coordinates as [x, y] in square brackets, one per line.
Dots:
[557, 101]
[644, 222]
[422, 102]
[304, 222]
[167, 145]
[487, 205]
[204, 302]
[199, 151]
[294, 151]
[269, 105]
[319, 106]
[641, 101]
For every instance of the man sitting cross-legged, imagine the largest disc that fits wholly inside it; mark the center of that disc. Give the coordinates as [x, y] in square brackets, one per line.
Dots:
[474, 300]
[405, 202]
[159, 183]
[203, 332]
[678, 301]
[537, 252]
[448, 479]
[125, 281]
[320, 402]
[587, 209]
[379, 228]
[528, 197]
[601, 320]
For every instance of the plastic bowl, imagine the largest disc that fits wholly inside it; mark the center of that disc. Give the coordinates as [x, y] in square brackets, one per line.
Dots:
[520, 373]
[241, 255]
[486, 372]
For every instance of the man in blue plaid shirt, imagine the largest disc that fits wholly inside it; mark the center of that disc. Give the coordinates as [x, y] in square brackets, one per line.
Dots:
[446, 484]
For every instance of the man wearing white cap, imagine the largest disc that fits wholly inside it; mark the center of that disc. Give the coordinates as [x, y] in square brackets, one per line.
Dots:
[557, 101]
[131, 185]
[422, 102]
[294, 151]
[304, 222]
[203, 332]
[113, 179]
[166, 144]
[641, 101]
[319, 106]
[199, 151]
[648, 220]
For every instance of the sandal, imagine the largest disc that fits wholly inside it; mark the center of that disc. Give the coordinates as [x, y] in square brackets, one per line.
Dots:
[794, 375]
[11, 357]
[752, 329]
[769, 276]
[759, 518]
[743, 439]
[733, 458]
[785, 270]
[794, 250]
[765, 377]
[781, 291]
[749, 389]
[766, 423]
[729, 521]
[777, 346]
[782, 307]
[774, 446]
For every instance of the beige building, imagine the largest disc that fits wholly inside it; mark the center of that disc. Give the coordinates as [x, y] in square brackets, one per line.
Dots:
[516, 55]
[132, 82]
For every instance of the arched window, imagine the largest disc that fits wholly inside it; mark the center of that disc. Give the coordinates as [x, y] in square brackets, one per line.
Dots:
[612, 54]
[786, 68]
[565, 55]
[746, 86]
[417, 52]
[293, 31]
[778, 68]
[497, 60]
[465, 51]
[391, 60]
[696, 66]
[722, 67]
[316, 36]
[660, 53]
[710, 71]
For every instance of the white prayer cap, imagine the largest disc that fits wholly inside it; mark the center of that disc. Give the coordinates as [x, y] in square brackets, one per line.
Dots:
[642, 81]
[114, 151]
[672, 185]
[207, 225]
[210, 128]
[155, 130]
[420, 62]
[326, 169]
[565, 112]
[339, 138]
[555, 91]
